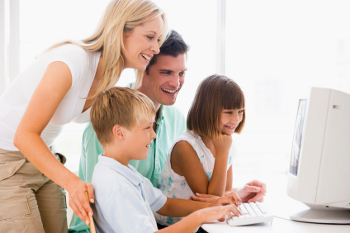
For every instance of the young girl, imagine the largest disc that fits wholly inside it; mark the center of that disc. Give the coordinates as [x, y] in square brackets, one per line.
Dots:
[200, 160]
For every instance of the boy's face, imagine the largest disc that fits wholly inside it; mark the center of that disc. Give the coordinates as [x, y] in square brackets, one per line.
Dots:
[139, 138]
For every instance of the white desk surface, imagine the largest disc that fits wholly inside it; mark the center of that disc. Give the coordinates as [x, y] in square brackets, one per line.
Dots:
[278, 226]
[281, 205]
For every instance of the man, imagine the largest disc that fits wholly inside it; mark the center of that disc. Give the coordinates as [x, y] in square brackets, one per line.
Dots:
[162, 81]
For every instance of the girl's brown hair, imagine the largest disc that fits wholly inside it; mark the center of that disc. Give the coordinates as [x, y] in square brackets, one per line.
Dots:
[214, 94]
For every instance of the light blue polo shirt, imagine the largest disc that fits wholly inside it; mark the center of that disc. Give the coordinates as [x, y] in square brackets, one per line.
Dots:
[124, 199]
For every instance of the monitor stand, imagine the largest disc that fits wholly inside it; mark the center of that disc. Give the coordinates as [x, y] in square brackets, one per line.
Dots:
[339, 216]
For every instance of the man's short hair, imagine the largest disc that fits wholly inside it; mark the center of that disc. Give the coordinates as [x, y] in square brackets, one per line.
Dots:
[214, 94]
[119, 106]
[173, 46]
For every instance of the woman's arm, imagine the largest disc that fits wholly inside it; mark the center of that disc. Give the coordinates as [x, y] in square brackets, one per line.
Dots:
[185, 162]
[46, 98]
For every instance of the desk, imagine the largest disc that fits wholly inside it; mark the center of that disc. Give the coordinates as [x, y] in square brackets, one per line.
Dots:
[278, 226]
[281, 205]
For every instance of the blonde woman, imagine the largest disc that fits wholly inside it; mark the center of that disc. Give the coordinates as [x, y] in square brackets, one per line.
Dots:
[59, 87]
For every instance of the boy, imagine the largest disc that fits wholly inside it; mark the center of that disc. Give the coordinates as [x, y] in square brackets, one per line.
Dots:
[124, 200]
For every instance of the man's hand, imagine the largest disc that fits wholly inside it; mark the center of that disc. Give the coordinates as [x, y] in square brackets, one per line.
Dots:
[253, 191]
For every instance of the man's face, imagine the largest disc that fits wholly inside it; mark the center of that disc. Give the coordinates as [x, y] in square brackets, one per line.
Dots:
[164, 79]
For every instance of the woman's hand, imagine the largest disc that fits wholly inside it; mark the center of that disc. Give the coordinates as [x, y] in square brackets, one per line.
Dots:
[77, 200]
[222, 144]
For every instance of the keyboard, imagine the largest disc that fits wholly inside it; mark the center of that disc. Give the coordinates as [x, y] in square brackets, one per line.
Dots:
[252, 213]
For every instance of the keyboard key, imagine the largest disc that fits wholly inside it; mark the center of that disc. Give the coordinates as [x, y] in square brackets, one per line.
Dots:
[256, 209]
[250, 209]
[243, 209]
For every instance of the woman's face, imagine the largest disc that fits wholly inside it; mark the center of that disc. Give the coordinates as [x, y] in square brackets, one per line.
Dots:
[142, 43]
[230, 119]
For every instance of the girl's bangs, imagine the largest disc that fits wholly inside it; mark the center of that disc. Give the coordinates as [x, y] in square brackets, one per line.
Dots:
[233, 99]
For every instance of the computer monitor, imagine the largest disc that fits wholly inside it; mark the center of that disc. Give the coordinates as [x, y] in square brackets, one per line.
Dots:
[319, 173]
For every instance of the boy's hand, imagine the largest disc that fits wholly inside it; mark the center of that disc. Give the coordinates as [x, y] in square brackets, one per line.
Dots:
[217, 213]
[222, 144]
[223, 201]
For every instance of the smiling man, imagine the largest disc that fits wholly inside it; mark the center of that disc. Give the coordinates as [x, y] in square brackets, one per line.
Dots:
[162, 81]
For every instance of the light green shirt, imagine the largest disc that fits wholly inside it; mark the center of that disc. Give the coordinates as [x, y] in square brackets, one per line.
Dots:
[171, 123]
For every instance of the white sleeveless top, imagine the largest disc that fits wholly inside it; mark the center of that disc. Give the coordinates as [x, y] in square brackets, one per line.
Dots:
[14, 101]
[175, 186]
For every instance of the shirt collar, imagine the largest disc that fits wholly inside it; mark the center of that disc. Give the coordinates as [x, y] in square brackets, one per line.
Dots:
[128, 172]
[161, 114]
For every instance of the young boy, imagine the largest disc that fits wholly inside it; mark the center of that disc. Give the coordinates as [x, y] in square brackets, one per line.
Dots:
[124, 200]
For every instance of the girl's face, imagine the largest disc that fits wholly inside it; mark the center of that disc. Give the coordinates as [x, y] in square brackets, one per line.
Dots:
[142, 43]
[230, 119]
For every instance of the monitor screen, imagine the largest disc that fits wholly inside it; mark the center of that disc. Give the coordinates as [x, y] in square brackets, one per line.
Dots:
[298, 131]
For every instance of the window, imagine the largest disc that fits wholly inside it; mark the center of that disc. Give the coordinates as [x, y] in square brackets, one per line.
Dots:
[277, 50]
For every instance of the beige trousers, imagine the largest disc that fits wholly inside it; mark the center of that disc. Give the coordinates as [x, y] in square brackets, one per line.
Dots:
[29, 201]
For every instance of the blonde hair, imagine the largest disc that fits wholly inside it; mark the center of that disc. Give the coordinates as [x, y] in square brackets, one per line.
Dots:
[120, 16]
[119, 106]
[214, 94]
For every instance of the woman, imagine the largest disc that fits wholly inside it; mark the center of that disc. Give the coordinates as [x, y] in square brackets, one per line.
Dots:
[58, 87]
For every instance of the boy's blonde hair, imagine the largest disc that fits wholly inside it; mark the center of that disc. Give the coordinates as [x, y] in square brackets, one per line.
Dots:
[119, 106]
[214, 94]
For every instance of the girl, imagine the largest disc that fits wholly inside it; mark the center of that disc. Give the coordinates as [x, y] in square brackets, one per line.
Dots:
[59, 87]
[200, 160]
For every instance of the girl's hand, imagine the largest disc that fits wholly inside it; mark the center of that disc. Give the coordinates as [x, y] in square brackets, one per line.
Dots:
[208, 198]
[222, 144]
[78, 202]
[217, 213]
[223, 201]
